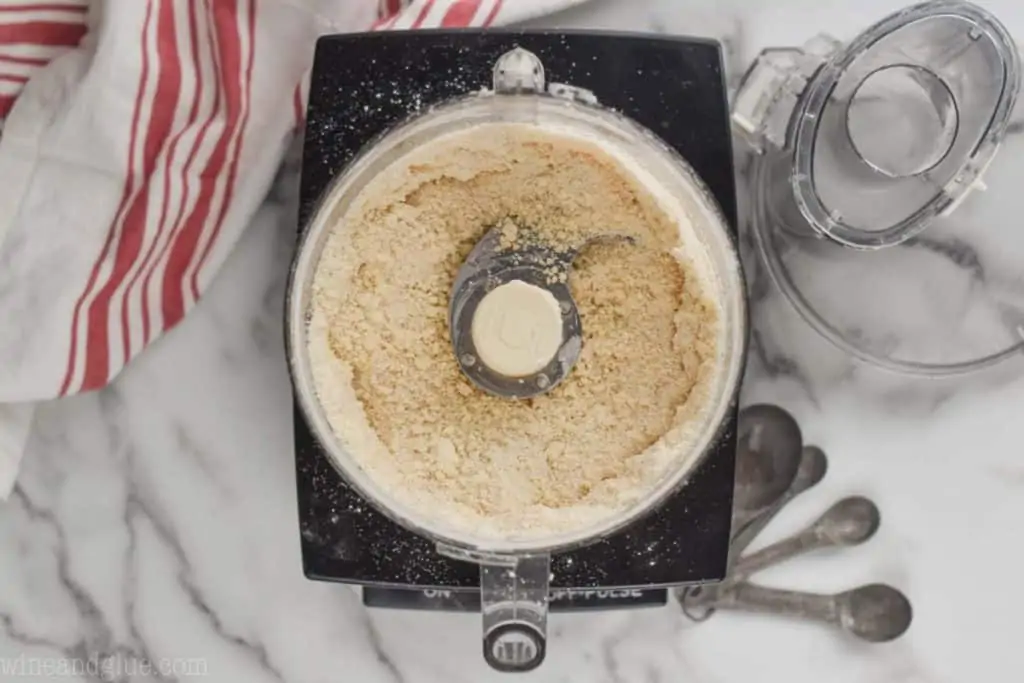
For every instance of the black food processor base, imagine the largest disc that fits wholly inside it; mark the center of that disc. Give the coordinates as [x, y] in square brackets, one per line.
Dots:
[362, 84]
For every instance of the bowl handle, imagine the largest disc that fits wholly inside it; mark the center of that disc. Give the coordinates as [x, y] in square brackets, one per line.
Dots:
[514, 607]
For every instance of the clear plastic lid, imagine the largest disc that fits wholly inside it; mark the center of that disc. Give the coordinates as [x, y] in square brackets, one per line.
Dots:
[893, 129]
[869, 200]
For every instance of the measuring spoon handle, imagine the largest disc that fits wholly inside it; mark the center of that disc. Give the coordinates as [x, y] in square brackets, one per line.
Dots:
[774, 554]
[754, 598]
[746, 535]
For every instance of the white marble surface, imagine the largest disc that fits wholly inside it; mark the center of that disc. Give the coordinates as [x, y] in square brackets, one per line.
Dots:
[156, 521]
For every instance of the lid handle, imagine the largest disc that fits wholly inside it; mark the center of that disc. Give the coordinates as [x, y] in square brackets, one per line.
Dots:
[770, 90]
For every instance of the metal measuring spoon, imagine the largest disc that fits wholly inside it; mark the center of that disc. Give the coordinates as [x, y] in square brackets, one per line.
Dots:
[851, 521]
[767, 460]
[875, 613]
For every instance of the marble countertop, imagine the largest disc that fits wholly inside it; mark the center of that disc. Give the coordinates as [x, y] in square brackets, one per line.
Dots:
[154, 523]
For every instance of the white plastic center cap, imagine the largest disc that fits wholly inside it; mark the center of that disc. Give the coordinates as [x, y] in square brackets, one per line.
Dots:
[517, 329]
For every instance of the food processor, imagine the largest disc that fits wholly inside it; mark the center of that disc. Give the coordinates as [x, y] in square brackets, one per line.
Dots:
[658, 102]
[884, 187]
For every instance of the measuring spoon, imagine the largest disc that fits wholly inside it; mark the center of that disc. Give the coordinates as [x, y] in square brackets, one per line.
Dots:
[767, 460]
[875, 613]
[849, 522]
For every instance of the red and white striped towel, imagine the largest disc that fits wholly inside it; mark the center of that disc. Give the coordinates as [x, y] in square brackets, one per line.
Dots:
[31, 35]
[138, 139]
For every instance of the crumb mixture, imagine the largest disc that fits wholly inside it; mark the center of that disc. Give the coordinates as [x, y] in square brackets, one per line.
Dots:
[390, 385]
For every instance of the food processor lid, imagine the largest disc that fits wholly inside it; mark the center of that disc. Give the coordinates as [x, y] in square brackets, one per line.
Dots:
[891, 130]
[867, 209]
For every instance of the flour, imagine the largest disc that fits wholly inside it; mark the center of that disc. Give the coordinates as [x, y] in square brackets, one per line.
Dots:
[393, 393]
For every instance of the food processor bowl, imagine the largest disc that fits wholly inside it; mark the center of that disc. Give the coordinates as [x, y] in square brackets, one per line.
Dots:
[515, 574]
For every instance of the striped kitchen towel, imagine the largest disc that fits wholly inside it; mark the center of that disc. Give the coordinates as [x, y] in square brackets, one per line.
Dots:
[138, 139]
